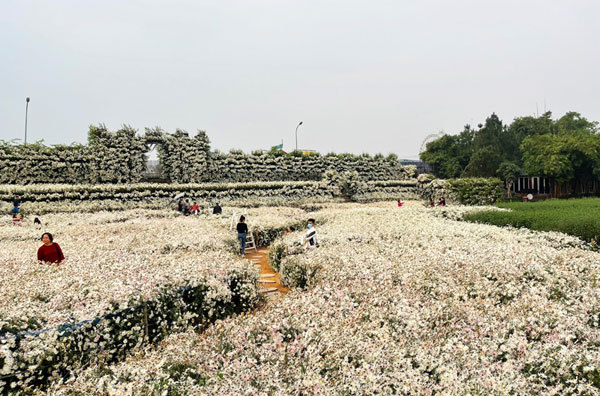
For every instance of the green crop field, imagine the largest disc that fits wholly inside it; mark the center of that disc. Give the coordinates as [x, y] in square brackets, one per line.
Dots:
[578, 217]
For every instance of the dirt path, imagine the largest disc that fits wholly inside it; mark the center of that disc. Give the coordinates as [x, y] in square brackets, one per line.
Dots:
[269, 281]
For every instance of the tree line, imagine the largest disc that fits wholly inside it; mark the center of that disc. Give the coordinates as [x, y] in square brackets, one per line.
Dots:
[566, 149]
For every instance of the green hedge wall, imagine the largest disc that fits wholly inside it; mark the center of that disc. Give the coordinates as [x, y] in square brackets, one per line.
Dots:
[467, 190]
[476, 191]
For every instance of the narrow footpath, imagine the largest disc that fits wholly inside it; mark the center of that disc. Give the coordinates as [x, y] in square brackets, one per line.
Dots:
[269, 282]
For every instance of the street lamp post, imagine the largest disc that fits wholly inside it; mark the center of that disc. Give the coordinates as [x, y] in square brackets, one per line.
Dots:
[297, 135]
[26, 110]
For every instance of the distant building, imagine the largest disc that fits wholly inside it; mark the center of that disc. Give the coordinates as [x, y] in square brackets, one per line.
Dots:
[546, 187]
[422, 167]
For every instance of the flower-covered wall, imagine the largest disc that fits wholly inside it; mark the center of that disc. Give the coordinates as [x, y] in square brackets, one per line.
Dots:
[237, 166]
[109, 157]
[120, 157]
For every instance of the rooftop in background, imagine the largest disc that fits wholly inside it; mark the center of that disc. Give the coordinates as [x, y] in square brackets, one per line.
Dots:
[422, 167]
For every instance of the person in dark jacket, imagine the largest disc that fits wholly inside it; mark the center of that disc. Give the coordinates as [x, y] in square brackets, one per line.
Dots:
[217, 209]
[50, 251]
[242, 230]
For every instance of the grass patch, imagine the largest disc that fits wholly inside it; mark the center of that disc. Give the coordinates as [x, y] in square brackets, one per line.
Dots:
[577, 217]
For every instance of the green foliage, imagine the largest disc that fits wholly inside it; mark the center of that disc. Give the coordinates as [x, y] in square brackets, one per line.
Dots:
[296, 272]
[483, 163]
[508, 171]
[578, 217]
[467, 191]
[449, 155]
[110, 337]
[492, 144]
[475, 191]
[350, 184]
[275, 152]
[566, 149]
[345, 184]
[276, 254]
[565, 156]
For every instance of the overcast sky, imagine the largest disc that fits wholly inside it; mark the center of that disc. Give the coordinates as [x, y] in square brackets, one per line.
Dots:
[364, 76]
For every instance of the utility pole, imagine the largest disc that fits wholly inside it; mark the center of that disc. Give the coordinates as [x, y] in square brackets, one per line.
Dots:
[297, 135]
[26, 110]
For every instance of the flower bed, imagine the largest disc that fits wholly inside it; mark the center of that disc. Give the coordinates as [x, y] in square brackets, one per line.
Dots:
[52, 198]
[404, 303]
[130, 278]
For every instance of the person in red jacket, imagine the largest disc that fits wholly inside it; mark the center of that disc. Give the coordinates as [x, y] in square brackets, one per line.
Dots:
[50, 252]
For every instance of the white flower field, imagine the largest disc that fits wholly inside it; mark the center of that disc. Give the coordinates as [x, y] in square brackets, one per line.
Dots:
[395, 301]
[111, 257]
[405, 301]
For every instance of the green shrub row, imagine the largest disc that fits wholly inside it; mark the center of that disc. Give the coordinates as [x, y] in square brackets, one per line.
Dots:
[577, 217]
[467, 190]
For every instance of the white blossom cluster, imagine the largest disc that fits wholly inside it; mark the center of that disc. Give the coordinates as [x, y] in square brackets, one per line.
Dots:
[237, 166]
[110, 157]
[46, 198]
[143, 266]
[120, 157]
[404, 302]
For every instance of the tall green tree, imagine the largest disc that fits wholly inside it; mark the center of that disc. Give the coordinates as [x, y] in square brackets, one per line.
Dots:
[492, 144]
[565, 149]
[565, 157]
[483, 163]
[573, 122]
[449, 154]
[508, 171]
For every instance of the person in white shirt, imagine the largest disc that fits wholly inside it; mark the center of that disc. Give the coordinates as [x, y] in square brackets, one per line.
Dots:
[309, 241]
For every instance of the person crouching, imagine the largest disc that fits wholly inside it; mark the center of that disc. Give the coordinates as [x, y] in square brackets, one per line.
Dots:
[309, 241]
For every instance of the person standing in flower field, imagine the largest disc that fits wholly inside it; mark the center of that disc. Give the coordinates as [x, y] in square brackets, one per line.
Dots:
[310, 238]
[242, 230]
[50, 252]
[195, 208]
[16, 202]
[217, 209]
